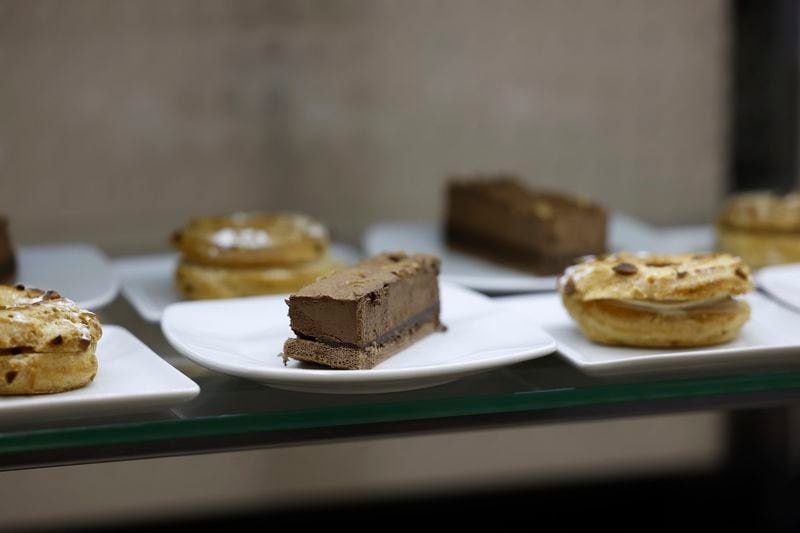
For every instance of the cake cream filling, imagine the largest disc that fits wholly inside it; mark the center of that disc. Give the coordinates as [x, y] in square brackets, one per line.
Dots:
[719, 304]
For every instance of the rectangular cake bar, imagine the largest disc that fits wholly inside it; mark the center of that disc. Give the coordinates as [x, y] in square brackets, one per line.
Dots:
[357, 317]
[500, 219]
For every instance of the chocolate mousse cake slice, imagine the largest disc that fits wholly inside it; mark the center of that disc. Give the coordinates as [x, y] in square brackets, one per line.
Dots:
[501, 220]
[357, 317]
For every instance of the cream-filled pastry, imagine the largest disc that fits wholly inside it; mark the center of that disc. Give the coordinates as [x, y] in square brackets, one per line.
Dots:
[47, 342]
[247, 254]
[763, 228]
[681, 300]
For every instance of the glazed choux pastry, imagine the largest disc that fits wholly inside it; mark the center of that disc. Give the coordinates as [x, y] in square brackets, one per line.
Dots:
[246, 254]
[762, 228]
[206, 282]
[47, 342]
[642, 300]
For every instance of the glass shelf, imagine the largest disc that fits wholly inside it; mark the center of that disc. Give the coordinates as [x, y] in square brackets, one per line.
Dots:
[233, 413]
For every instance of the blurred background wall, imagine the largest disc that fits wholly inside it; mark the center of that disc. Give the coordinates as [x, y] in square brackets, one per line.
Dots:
[118, 120]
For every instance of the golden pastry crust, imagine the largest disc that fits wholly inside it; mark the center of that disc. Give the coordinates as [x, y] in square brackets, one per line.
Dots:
[612, 323]
[763, 228]
[47, 342]
[677, 277]
[760, 248]
[249, 240]
[762, 211]
[681, 300]
[44, 321]
[196, 281]
[46, 373]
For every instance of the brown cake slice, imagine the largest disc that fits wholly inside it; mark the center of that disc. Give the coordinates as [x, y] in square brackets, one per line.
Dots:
[358, 317]
[501, 220]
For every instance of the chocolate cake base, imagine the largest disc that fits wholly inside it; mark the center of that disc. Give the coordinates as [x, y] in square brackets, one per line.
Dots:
[350, 357]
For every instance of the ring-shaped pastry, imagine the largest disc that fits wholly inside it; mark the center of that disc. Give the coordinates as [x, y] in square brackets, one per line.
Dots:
[196, 281]
[252, 240]
[647, 300]
[47, 342]
[763, 228]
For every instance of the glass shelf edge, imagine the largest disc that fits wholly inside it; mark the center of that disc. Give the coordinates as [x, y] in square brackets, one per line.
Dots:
[329, 417]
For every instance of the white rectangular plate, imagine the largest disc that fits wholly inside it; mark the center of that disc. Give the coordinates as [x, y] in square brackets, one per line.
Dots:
[770, 336]
[148, 281]
[625, 233]
[244, 338]
[80, 272]
[782, 282]
[130, 377]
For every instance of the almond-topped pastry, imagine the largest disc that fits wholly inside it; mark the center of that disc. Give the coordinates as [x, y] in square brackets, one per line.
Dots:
[647, 300]
[47, 342]
[761, 227]
[246, 254]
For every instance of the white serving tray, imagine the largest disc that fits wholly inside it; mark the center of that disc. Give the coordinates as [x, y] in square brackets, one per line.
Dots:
[771, 336]
[781, 282]
[130, 378]
[80, 272]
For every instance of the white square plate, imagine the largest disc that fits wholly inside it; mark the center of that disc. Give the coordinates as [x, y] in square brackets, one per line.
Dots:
[130, 377]
[148, 281]
[782, 282]
[244, 337]
[770, 336]
[625, 233]
[80, 272]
